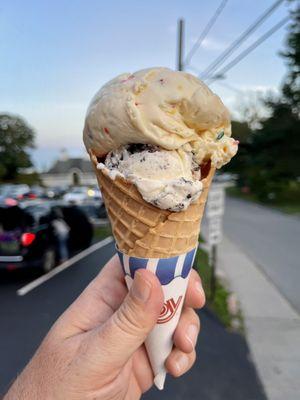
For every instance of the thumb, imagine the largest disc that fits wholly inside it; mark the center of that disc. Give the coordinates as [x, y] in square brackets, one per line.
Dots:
[129, 326]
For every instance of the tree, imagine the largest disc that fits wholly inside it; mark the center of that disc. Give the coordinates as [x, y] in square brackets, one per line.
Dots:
[274, 153]
[16, 139]
[242, 132]
[291, 87]
[269, 160]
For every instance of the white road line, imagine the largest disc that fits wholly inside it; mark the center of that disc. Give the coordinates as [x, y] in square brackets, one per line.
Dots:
[39, 281]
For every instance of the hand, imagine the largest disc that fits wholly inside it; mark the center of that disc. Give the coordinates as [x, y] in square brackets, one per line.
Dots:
[95, 349]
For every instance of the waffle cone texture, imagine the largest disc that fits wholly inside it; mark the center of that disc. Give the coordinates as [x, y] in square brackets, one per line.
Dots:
[142, 230]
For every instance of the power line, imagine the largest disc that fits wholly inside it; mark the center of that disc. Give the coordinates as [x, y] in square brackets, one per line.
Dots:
[249, 49]
[193, 68]
[230, 87]
[205, 31]
[237, 43]
[225, 84]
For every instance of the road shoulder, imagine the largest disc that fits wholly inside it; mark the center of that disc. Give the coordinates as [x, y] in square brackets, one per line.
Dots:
[272, 325]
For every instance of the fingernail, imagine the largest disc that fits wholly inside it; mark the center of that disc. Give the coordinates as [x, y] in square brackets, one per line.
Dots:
[181, 362]
[141, 288]
[192, 334]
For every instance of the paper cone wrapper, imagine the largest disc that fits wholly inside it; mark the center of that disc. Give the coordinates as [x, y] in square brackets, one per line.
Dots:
[173, 274]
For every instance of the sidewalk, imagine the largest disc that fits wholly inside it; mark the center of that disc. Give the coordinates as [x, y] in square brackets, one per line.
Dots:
[272, 325]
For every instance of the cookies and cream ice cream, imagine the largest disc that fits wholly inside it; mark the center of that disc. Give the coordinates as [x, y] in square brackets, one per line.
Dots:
[173, 112]
[168, 179]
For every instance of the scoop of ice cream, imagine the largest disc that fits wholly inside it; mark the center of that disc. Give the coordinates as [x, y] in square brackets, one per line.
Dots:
[161, 107]
[216, 146]
[168, 179]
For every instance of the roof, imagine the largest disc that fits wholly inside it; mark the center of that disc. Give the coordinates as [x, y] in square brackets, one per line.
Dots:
[64, 166]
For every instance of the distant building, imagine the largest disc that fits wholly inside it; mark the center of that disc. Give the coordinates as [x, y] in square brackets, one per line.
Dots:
[69, 171]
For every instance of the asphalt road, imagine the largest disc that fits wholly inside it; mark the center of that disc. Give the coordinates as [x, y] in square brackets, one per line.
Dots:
[271, 239]
[224, 369]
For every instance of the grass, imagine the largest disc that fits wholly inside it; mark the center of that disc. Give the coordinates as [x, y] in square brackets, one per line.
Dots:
[101, 232]
[289, 206]
[219, 303]
[28, 179]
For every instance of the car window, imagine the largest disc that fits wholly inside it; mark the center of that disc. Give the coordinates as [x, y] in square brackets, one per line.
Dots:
[12, 218]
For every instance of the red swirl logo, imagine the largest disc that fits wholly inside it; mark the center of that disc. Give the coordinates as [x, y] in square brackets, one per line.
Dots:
[168, 311]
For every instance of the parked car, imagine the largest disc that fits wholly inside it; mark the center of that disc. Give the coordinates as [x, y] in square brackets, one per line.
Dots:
[27, 238]
[95, 194]
[55, 192]
[5, 189]
[76, 195]
[80, 194]
[14, 191]
[94, 211]
[35, 192]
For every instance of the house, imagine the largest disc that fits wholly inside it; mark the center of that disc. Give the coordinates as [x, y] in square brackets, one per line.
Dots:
[69, 171]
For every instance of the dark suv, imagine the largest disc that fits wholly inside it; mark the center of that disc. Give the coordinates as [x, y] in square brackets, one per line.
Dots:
[27, 238]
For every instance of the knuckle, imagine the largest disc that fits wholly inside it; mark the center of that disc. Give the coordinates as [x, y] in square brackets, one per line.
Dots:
[195, 274]
[128, 319]
[193, 317]
[202, 300]
[50, 342]
[193, 358]
[191, 362]
[196, 320]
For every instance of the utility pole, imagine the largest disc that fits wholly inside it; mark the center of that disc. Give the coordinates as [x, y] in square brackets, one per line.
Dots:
[180, 38]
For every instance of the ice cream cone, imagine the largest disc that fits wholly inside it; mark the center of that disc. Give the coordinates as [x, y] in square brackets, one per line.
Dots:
[162, 241]
[152, 131]
[142, 230]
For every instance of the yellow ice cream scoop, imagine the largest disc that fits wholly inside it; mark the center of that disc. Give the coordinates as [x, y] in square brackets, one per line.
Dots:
[161, 107]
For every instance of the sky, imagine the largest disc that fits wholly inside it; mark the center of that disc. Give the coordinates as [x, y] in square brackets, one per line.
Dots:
[54, 56]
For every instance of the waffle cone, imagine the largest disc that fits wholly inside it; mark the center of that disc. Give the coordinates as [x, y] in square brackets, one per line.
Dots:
[145, 231]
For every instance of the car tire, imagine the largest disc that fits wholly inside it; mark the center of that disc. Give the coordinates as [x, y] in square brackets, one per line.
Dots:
[49, 260]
